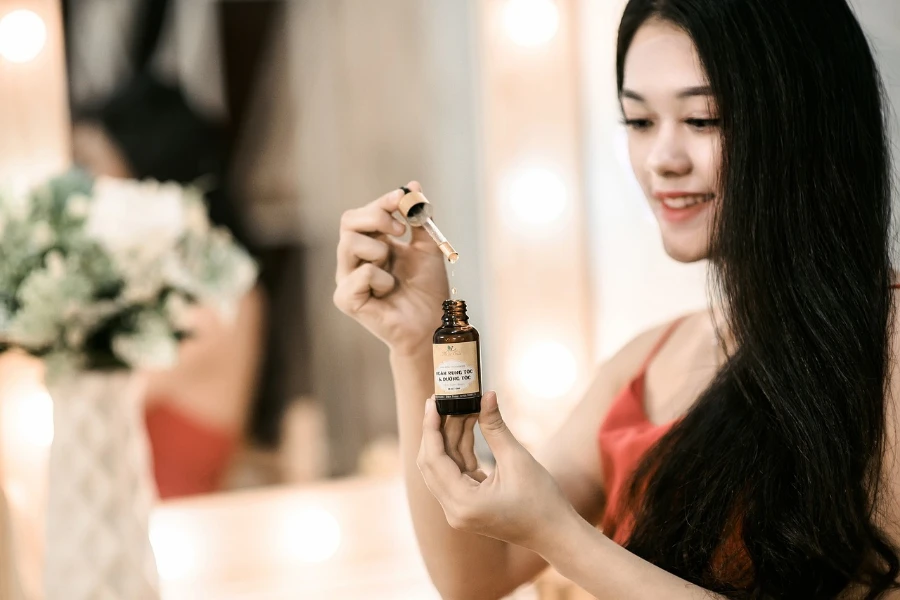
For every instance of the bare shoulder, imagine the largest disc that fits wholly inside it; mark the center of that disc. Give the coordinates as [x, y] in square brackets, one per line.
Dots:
[611, 376]
[619, 369]
[572, 454]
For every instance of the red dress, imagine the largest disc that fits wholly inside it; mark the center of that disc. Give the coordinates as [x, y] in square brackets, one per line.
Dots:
[189, 457]
[626, 434]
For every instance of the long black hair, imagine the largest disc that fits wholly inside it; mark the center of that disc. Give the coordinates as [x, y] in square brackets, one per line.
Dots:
[769, 487]
[163, 137]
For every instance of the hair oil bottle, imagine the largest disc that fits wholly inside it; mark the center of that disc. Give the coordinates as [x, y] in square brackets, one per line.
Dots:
[457, 362]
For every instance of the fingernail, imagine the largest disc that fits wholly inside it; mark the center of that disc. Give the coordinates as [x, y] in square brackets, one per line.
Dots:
[399, 227]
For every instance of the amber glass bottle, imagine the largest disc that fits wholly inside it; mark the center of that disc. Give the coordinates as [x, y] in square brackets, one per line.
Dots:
[457, 362]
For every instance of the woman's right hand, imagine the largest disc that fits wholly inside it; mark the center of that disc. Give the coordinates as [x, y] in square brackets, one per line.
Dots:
[393, 288]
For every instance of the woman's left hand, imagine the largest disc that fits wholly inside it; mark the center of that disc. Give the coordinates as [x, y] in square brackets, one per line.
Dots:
[518, 502]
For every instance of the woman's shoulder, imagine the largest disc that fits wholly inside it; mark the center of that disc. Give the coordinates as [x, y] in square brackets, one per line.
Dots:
[633, 356]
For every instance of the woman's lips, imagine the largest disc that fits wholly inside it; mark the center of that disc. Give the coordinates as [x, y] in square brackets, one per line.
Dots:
[677, 207]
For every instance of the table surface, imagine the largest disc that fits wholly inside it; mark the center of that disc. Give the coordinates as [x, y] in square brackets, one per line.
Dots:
[337, 540]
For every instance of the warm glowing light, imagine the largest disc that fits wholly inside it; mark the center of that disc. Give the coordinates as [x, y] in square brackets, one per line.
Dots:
[174, 547]
[29, 417]
[531, 23]
[311, 535]
[547, 370]
[536, 196]
[22, 36]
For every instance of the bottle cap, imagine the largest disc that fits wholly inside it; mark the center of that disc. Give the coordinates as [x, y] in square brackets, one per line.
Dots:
[415, 208]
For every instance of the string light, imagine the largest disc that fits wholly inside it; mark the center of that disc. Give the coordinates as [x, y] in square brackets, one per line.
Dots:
[535, 211]
[29, 415]
[23, 35]
[531, 23]
[547, 370]
[536, 197]
[173, 546]
[311, 535]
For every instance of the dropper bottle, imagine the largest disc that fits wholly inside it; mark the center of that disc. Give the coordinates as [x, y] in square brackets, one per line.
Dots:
[456, 348]
[417, 210]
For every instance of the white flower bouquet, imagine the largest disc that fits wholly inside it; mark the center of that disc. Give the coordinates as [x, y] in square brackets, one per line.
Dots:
[99, 274]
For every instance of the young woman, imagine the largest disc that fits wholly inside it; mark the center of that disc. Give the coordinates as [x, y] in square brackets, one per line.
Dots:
[197, 411]
[743, 452]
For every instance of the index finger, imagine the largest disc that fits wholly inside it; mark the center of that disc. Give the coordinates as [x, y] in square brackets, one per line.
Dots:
[391, 201]
[442, 470]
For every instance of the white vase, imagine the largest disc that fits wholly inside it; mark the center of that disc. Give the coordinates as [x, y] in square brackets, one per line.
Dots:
[101, 491]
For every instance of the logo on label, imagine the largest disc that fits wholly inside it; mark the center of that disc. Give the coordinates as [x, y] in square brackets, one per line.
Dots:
[451, 351]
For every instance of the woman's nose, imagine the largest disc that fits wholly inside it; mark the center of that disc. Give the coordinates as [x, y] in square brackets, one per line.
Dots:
[668, 156]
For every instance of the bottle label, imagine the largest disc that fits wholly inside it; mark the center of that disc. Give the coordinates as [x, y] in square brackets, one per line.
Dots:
[456, 369]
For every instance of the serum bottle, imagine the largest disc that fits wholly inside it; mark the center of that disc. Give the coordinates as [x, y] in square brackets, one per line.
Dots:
[457, 362]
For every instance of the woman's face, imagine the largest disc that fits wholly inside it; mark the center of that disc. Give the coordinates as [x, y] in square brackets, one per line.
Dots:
[95, 152]
[673, 136]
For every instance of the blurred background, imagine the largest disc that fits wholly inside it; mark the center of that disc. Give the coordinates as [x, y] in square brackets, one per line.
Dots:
[290, 112]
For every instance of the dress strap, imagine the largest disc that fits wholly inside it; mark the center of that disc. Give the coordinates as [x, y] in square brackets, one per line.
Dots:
[662, 342]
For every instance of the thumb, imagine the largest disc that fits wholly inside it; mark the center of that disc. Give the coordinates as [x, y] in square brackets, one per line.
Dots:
[493, 427]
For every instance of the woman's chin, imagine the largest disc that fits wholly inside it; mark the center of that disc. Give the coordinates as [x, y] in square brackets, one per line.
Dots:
[687, 240]
[689, 250]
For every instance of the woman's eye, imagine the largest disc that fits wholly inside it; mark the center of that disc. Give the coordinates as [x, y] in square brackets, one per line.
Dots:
[703, 124]
[637, 124]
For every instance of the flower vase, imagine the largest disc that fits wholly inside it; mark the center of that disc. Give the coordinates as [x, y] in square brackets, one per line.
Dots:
[101, 490]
